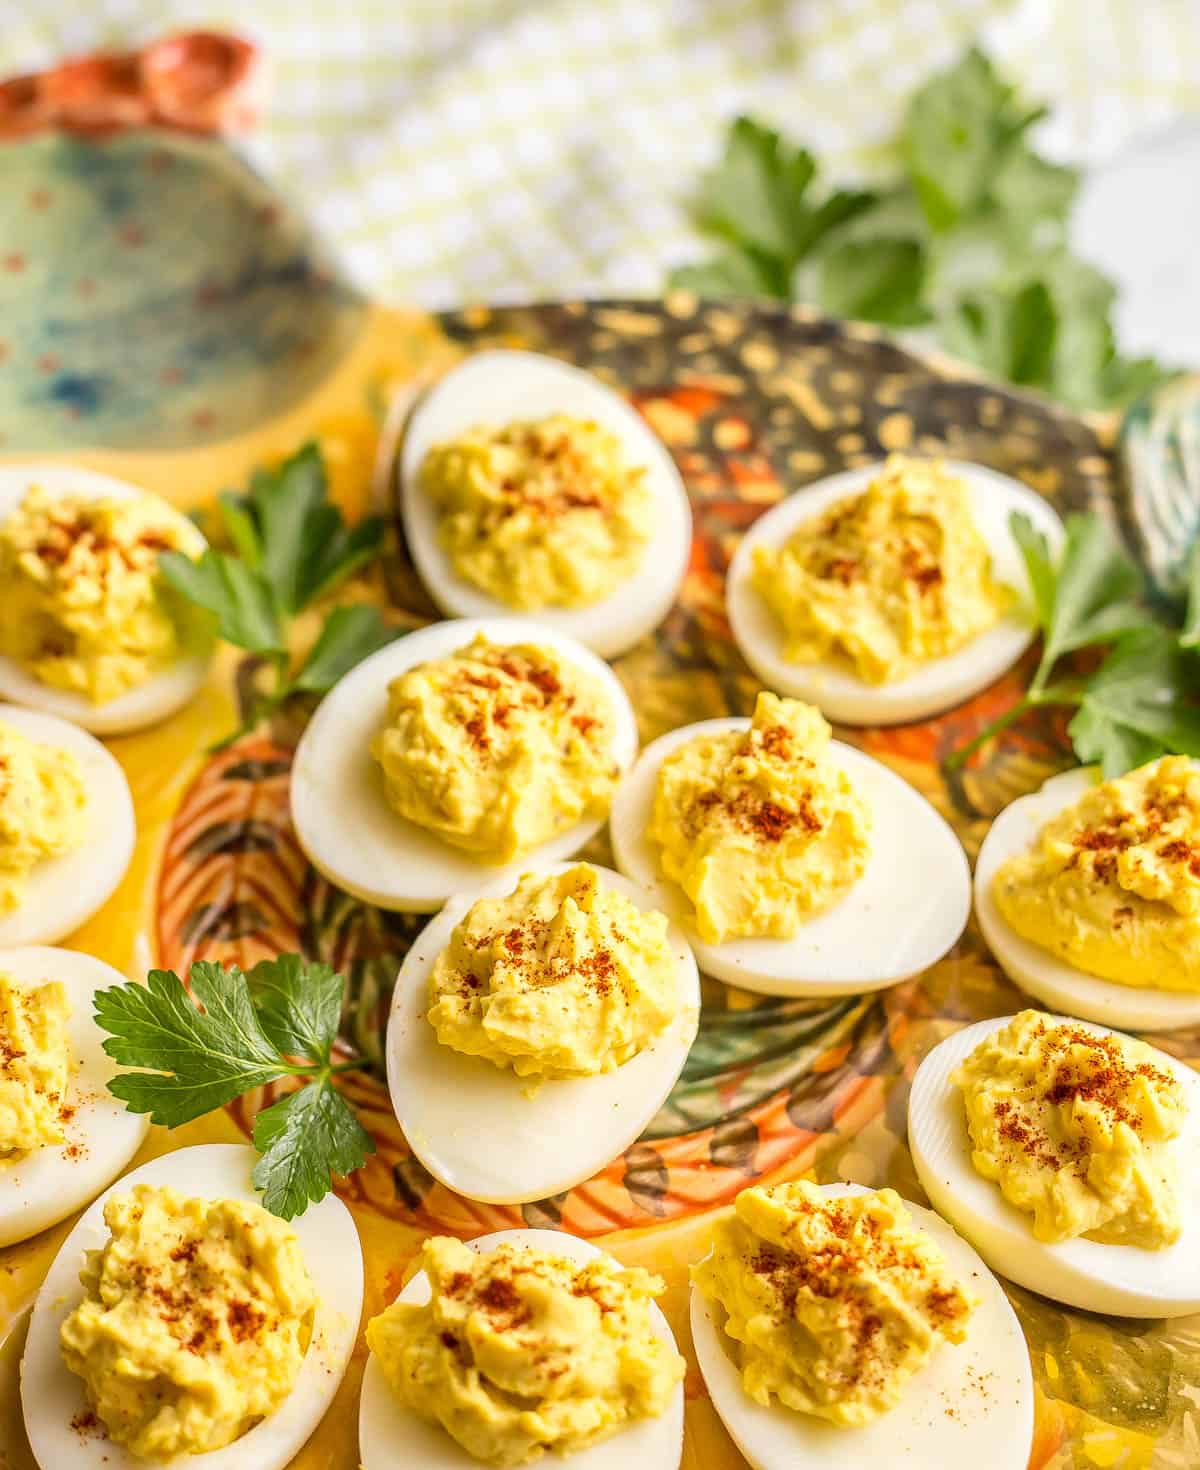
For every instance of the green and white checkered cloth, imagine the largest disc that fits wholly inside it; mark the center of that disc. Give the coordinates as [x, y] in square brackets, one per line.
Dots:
[463, 150]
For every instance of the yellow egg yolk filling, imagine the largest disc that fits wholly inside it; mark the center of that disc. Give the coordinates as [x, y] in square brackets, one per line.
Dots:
[497, 748]
[1076, 1129]
[1112, 884]
[543, 513]
[886, 580]
[759, 828]
[195, 1320]
[519, 1351]
[563, 978]
[35, 1063]
[85, 607]
[43, 809]
[834, 1303]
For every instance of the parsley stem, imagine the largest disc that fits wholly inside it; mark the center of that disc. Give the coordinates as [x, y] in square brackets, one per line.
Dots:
[958, 758]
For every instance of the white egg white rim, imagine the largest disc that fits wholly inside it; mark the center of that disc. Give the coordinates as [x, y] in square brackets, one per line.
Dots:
[339, 811]
[808, 1440]
[61, 893]
[163, 693]
[501, 385]
[1120, 1280]
[427, 1079]
[385, 1426]
[330, 1246]
[1042, 973]
[47, 1185]
[939, 684]
[814, 962]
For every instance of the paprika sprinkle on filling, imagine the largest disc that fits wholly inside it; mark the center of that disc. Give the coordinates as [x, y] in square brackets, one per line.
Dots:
[497, 748]
[543, 513]
[85, 607]
[1111, 884]
[886, 580]
[520, 1351]
[194, 1323]
[834, 1302]
[758, 827]
[565, 977]
[1076, 1126]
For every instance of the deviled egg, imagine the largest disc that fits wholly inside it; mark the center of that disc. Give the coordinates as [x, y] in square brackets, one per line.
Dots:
[180, 1319]
[527, 485]
[794, 864]
[540, 1339]
[888, 593]
[561, 1010]
[838, 1326]
[1088, 894]
[66, 826]
[63, 1136]
[1068, 1155]
[91, 633]
[458, 756]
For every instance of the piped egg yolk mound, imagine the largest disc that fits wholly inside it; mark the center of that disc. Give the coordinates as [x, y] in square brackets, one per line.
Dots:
[835, 1302]
[563, 978]
[43, 805]
[543, 513]
[497, 748]
[35, 1061]
[85, 607]
[519, 1351]
[1112, 884]
[885, 580]
[758, 827]
[194, 1323]
[1075, 1127]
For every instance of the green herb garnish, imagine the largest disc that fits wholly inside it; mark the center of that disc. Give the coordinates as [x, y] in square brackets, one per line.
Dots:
[235, 1032]
[290, 547]
[1139, 703]
[968, 241]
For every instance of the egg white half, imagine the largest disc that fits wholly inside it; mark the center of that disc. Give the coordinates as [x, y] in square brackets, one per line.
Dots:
[940, 683]
[62, 893]
[908, 908]
[496, 388]
[101, 1136]
[1055, 981]
[163, 693]
[52, 1397]
[1121, 1280]
[970, 1406]
[341, 816]
[389, 1434]
[537, 1145]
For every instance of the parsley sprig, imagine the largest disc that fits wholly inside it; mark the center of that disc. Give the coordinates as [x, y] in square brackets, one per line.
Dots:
[1138, 703]
[968, 240]
[232, 1033]
[290, 547]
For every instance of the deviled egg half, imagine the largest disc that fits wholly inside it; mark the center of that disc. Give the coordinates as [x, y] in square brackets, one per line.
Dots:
[181, 1321]
[91, 632]
[795, 865]
[1088, 894]
[516, 1340]
[458, 756]
[1069, 1156]
[888, 593]
[836, 1325]
[560, 1009]
[63, 1136]
[528, 486]
[67, 826]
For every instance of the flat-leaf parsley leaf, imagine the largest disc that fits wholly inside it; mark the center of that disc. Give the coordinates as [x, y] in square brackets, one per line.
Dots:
[232, 1033]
